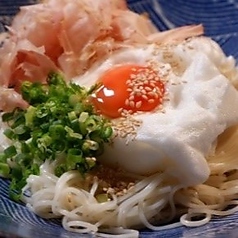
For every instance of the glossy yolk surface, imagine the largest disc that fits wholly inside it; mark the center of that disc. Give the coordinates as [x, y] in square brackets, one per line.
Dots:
[128, 88]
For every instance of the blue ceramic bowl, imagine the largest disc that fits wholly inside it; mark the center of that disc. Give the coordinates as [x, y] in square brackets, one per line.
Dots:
[220, 19]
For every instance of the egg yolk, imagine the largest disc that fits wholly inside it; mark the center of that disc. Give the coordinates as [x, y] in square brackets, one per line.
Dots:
[128, 88]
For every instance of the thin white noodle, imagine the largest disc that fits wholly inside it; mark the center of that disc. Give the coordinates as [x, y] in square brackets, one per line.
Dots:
[126, 206]
[47, 193]
[83, 227]
[185, 220]
[61, 183]
[147, 224]
[171, 201]
[119, 233]
[217, 212]
[152, 201]
[94, 187]
[139, 186]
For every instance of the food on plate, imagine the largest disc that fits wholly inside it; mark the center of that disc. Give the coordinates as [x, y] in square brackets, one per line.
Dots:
[113, 126]
[70, 36]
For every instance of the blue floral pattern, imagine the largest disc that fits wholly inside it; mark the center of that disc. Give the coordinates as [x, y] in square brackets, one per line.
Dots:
[220, 19]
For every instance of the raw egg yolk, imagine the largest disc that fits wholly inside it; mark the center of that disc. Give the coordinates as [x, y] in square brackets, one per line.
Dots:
[128, 88]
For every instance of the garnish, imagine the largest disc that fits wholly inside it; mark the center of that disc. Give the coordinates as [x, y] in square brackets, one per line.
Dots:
[127, 89]
[59, 123]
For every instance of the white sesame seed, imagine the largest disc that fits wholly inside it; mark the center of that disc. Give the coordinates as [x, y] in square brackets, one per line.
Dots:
[151, 93]
[138, 104]
[156, 95]
[148, 88]
[150, 77]
[152, 84]
[133, 76]
[144, 97]
[143, 92]
[120, 110]
[128, 81]
[132, 97]
[123, 134]
[127, 102]
[132, 104]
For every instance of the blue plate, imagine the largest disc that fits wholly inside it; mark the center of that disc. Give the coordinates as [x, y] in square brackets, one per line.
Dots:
[220, 19]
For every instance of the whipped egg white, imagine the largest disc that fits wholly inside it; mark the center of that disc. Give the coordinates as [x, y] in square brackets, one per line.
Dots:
[201, 103]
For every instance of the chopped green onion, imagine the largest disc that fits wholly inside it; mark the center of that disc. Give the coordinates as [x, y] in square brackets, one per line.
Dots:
[72, 134]
[3, 158]
[4, 170]
[30, 115]
[21, 129]
[83, 116]
[10, 151]
[9, 133]
[74, 157]
[7, 116]
[72, 116]
[57, 131]
[103, 197]
[90, 145]
[59, 123]
[106, 133]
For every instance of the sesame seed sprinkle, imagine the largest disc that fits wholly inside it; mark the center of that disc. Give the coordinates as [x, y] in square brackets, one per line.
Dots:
[138, 104]
[143, 86]
[147, 88]
[151, 100]
[144, 97]
[132, 104]
[132, 97]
